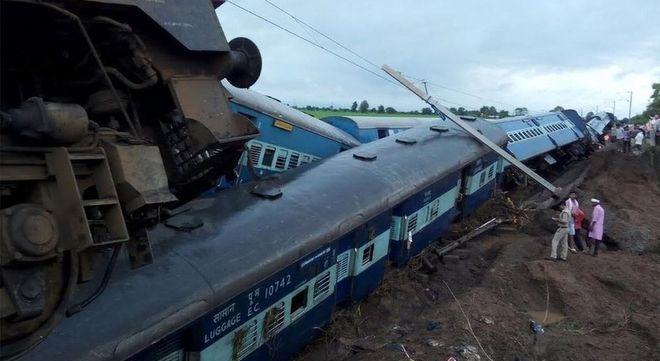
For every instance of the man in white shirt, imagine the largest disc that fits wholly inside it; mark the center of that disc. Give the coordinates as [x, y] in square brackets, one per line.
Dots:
[572, 205]
[639, 139]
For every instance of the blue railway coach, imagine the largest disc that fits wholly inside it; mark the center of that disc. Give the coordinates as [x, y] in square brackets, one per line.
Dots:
[260, 268]
[541, 140]
[367, 129]
[288, 137]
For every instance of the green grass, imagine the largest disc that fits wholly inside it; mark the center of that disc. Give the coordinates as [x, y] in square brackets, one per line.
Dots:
[329, 113]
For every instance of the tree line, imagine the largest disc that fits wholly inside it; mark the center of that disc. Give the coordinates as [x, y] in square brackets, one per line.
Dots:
[364, 107]
[485, 111]
[652, 108]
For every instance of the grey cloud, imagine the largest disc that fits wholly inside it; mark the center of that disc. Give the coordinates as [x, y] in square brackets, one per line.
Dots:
[446, 42]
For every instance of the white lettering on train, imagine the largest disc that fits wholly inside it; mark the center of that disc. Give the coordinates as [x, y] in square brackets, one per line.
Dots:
[217, 331]
[224, 313]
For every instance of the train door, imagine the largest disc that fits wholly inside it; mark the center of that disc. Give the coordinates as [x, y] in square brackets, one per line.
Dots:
[464, 189]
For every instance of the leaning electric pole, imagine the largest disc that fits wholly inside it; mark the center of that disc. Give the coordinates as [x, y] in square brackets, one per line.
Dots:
[630, 105]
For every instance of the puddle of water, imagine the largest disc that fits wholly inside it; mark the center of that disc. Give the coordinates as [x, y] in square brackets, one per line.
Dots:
[553, 317]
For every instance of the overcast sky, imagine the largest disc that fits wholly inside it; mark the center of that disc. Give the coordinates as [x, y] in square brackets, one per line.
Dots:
[537, 54]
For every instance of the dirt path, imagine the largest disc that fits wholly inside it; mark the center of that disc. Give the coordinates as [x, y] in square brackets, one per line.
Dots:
[598, 308]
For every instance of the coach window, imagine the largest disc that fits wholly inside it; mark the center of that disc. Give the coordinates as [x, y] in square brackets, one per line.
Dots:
[368, 255]
[382, 133]
[269, 155]
[298, 303]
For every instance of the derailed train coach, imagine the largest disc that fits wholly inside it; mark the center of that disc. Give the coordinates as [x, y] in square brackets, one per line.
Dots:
[476, 182]
[288, 137]
[253, 272]
[544, 140]
[110, 111]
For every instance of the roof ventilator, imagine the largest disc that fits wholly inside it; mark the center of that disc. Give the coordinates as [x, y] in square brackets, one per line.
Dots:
[406, 140]
[365, 156]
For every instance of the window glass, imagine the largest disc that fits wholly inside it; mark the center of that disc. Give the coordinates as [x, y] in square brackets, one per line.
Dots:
[268, 157]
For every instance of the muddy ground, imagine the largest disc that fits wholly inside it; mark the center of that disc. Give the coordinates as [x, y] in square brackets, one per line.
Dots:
[591, 308]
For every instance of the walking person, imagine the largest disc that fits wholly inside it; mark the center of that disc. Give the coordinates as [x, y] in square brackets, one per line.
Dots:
[573, 206]
[596, 227]
[619, 137]
[560, 238]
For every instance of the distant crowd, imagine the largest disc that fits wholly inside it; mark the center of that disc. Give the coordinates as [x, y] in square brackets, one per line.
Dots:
[631, 138]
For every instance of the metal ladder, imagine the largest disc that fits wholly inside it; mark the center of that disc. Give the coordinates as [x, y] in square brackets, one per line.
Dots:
[96, 221]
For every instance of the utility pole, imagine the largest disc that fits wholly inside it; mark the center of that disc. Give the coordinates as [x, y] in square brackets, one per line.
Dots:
[425, 89]
[614, 107]
[630, 105]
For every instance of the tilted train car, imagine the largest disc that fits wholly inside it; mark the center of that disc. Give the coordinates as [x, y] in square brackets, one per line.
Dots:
[110, 110]
[288, 137]
[474, 187]
[542, 140]
[252, 273]
[600, 124]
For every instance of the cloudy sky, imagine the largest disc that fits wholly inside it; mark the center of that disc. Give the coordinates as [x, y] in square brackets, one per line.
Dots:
[538, 54]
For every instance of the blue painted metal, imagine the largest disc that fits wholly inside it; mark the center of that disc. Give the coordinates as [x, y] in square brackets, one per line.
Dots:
[368, 129]
[288, 137]
[533, 136]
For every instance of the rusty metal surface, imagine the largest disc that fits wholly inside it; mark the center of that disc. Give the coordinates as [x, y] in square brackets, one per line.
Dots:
[139, 175]
[203, 101]
[82, 76]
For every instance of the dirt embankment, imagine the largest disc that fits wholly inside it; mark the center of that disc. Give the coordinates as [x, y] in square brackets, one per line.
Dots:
[591, 308]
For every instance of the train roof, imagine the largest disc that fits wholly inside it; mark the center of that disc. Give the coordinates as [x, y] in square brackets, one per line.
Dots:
[369, 122]
[244, 238]
[525, 117]
[273, 107]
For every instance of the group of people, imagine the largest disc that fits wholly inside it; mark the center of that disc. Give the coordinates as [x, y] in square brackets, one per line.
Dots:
[570, 224]
[625, 136]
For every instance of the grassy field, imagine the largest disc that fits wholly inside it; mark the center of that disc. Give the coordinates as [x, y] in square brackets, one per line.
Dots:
[328, 113]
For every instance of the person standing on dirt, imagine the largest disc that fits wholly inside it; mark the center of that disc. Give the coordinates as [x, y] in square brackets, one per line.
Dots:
[596, 227]
[560, 239]
[619, 137]
[626, 140]
[573, 206]
[639, 140]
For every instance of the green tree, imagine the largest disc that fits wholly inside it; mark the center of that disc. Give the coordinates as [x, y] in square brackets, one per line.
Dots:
[381, 109]
[390, 110]
[503, 114]
[354, 106]
[652, 109]
[520, 111]
[427, 111]
[364, 106]
[558, 108]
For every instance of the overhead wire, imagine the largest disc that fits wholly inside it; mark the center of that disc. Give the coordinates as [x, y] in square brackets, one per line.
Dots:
[363, 58]
[349, 50]
[311, 42]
